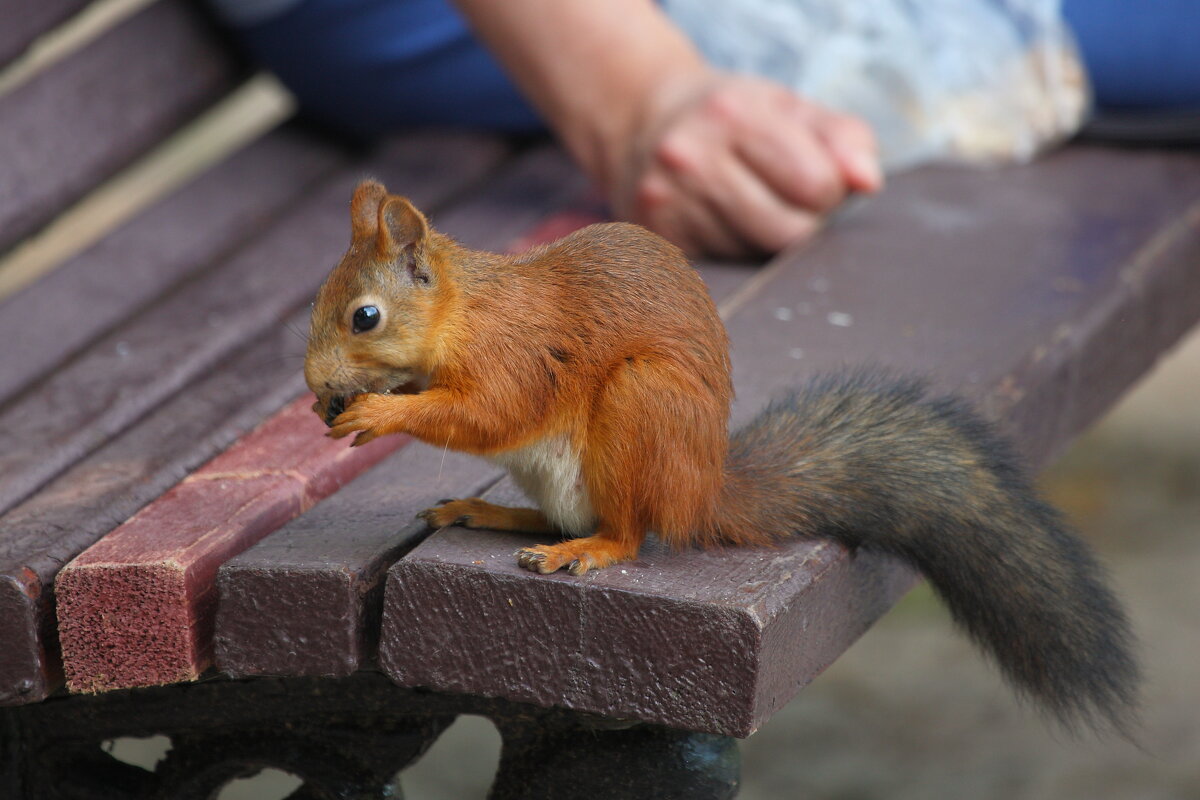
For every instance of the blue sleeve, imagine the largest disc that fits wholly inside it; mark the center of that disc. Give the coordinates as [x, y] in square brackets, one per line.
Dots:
[1140, 54]
[369, 67]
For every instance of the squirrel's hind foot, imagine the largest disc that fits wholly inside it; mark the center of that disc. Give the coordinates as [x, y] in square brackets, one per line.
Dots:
[577, 555]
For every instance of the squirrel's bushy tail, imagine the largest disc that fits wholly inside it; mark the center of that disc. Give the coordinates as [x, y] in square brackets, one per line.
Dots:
[875, 461]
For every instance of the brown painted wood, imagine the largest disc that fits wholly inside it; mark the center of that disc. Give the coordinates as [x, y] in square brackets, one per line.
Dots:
[24, 22]
[306, 600]
[107, 486]
[134, 266]
[328, 560]
[181, 567]
[101, 491]
[190, 329]
[87, 116]
[1015, 286]
[136, 608]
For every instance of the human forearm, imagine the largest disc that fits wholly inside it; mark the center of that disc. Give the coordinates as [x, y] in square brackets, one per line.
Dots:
[593, 69]
[718, 163]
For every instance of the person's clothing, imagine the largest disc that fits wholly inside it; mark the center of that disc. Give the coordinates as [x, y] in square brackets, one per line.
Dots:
[373, 66]
[240, 13]
[368, 67]
[1140, 54]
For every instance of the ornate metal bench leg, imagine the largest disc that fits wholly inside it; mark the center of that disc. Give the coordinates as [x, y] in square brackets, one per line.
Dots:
[541, 761]
[344, 740]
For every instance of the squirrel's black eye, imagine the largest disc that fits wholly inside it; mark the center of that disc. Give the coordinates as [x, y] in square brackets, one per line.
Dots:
[366, 318]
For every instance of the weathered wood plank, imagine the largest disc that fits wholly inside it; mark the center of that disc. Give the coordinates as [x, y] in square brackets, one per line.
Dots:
[306, 600]
[177, 572]
[190, 329]
[103, 490]
[157, 554]
[87, 116]
[1010, 285]
[139, 262]
[136, 608]
[329, 560]
[112, 483]
[24, 22]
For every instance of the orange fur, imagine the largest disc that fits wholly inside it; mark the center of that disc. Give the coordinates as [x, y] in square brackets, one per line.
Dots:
[474, 512]
[606, 338]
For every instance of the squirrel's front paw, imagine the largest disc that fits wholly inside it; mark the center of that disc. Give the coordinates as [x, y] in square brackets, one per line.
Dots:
[371, 415]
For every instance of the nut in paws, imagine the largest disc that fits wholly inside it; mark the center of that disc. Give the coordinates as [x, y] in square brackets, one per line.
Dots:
[368, 415]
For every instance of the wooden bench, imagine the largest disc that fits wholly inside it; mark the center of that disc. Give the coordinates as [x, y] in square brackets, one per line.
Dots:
[262, 596]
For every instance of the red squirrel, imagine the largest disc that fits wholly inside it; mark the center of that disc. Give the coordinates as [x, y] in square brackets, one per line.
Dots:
[596, 370]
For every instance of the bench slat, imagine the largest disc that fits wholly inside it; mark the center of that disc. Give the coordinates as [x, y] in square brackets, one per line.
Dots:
[76, 515]
[24, 22]
[84, 118]
[143, 259]
[136, 608]
[306, 599]
[961, 274]
[190, 330]
[103, 490]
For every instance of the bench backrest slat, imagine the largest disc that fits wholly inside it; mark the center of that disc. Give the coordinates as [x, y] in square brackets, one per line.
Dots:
[88, 115]
[25, 21]
[178, 237]
[175, 357]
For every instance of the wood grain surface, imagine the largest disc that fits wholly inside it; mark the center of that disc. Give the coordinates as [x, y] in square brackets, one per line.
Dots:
[136, 608]
[104, 489]
[306, 600]
[85, 117]
[131, 269]
[222, 334]
[191, 328]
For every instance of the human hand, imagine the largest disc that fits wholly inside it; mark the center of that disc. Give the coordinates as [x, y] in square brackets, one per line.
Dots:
[735, 166]
[720, 164]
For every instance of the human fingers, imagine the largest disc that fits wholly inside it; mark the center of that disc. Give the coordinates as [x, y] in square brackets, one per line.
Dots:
[706, 169]
[777, 142]
[853, 146]
[685, 218]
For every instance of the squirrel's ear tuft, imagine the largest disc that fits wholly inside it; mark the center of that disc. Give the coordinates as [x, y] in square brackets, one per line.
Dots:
[403, 233]
[364, 208]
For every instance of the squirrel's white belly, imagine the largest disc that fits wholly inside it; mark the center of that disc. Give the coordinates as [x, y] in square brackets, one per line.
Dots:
[551, 473]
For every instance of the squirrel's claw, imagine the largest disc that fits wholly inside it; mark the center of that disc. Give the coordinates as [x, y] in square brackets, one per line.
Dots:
[364, 437]
[343, 429]
[579, 556]
[532, 558]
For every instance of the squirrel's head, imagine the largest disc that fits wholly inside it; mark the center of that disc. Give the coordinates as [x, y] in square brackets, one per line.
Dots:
[371, 328]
